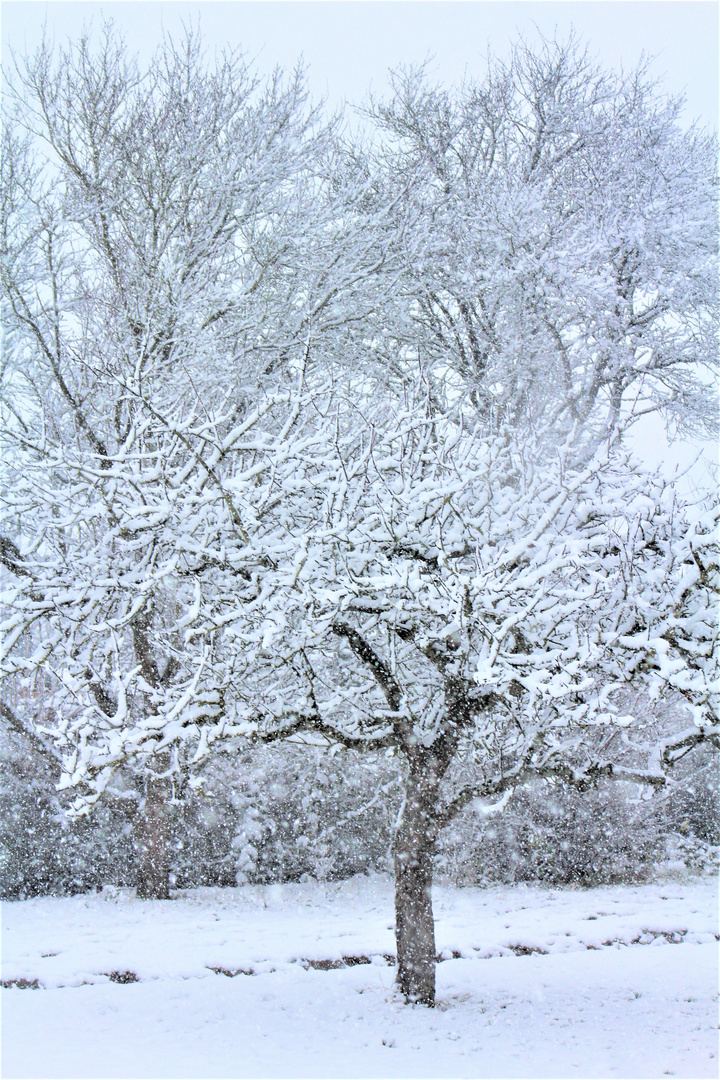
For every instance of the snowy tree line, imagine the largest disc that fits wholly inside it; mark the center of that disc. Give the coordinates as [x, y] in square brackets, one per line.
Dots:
[317, 440]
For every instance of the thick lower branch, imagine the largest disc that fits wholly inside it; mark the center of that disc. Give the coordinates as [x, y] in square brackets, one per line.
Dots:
[581, 780]
[676, 747]
[367, 655]
[313, 722]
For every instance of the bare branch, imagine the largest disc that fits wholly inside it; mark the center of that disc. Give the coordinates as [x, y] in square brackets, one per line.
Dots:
[313, 722]
[45, 749]
[366, 654]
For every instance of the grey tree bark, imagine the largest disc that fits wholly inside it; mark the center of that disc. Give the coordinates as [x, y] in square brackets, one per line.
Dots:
[414, 922]
[151, 834]
[413, 854]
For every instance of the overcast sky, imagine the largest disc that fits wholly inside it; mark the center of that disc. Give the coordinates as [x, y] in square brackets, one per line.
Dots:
[349, 46]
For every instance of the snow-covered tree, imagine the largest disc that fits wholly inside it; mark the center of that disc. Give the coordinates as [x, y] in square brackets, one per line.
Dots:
[302, 440]
[169, 262]
[474, 604]
[561, 252]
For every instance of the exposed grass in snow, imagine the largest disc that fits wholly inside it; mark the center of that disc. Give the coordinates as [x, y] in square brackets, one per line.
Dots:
[297, 980]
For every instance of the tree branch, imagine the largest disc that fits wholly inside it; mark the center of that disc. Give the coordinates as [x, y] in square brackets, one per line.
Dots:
[312, 721]
[103, 700]
[44, 749]
[11, 558]
[366, 654]
[581, 780]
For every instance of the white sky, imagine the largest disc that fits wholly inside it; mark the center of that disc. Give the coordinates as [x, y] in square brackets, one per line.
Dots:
[349, 47]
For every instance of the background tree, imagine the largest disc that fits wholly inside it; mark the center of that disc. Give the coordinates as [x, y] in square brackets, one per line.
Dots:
[176, 252]
[560, 261]
[157, 282]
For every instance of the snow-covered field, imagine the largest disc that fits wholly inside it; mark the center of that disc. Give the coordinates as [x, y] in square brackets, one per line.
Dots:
[617, 981]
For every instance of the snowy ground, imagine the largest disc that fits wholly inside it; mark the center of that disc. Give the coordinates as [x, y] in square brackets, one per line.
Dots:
[612, 982]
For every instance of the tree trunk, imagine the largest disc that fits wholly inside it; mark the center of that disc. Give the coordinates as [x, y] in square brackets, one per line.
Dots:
[414, 923]
[152, 839]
